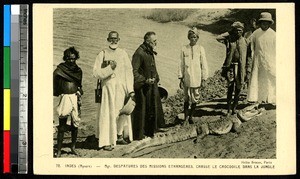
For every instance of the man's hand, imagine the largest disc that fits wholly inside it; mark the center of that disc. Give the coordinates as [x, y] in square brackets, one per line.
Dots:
[181, 83]
[247, 77]
[203, 83]
[224, 71]
[113, 64]
[244, 85]
[132, 96]
[150, 80]
[80, 91]
[79, 103]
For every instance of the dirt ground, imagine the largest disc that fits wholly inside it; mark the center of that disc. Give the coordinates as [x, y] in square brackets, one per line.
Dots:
[255, 139]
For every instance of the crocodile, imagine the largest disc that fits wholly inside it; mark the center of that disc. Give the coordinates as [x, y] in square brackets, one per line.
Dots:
[198, 130]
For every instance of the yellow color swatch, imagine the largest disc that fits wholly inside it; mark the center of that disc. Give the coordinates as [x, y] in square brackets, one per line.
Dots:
[6, 110]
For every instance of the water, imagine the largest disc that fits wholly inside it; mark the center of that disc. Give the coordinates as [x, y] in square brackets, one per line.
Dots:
[87, 30]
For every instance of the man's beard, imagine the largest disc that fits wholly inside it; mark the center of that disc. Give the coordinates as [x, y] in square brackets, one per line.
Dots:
[153, 46]
[113, 45]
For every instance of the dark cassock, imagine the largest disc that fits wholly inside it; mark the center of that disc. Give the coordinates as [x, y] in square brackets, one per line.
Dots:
[148, 114]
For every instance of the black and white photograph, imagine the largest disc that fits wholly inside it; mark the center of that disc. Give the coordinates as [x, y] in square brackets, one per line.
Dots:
[179, 83]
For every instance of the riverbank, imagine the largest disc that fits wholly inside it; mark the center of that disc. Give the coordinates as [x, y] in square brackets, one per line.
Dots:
[215, 21]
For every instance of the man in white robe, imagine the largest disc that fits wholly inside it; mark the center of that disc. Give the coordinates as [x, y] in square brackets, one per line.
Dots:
[262, 86]
[193, 72]
[113, 68]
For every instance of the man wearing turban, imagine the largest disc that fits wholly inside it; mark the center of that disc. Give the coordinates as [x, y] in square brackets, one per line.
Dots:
[112, 66]
[234, 66]
[193, 72]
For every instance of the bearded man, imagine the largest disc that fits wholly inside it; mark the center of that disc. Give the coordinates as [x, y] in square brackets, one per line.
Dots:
[148, 115]
[113, 68]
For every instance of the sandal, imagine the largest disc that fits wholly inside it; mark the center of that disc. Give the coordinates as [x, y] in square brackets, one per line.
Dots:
[108, 148]
[121, 142]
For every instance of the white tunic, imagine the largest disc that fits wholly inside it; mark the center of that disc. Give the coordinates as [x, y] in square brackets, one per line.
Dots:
[116, 84]
[193, 65]
[262, 85]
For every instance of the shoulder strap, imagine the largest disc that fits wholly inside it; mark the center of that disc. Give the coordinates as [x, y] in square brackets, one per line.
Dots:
[103, 56]
[99, 81]
[200, 47]
[98, 84]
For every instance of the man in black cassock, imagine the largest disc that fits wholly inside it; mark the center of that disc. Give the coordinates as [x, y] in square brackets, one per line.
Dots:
[148, 115]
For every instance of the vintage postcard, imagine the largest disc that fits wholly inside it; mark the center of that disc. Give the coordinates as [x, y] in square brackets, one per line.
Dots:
[164, 89]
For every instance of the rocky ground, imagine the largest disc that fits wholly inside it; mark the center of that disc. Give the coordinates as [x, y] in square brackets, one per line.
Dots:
[255, 138]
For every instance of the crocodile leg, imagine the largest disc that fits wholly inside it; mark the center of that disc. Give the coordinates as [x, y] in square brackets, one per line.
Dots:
[202, 131]
[236, 124]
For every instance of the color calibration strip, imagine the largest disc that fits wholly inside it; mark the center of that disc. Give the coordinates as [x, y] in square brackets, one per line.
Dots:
[14, 85]
[6, 92]
[15, 137]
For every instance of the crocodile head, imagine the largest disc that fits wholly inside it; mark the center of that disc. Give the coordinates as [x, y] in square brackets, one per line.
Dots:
[249, 112]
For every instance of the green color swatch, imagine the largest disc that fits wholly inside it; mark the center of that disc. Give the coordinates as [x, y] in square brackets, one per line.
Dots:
[6, 66]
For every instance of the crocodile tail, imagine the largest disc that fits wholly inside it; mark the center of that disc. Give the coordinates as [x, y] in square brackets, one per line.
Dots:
[142, 142]
[167, 139]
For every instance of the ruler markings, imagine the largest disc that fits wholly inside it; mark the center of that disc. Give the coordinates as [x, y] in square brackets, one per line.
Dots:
[23, 134]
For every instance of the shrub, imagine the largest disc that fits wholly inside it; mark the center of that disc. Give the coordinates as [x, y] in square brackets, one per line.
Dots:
[169, 15]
